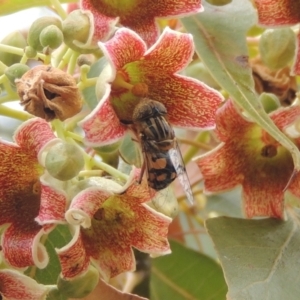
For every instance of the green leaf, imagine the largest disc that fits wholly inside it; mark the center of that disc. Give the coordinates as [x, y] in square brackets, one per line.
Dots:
[11, 6]
[57, 238]
[186, 274]
[220, 40]
[260, 258]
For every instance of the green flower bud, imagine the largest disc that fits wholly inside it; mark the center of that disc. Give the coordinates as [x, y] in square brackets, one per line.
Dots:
[51, 36]
[30, 52]
[64, 161]
[81, 286]
[37, 27]
[218, 2]
[269, 101]
[76, 29]
[16, 71]
[277, 47]
[15, 39]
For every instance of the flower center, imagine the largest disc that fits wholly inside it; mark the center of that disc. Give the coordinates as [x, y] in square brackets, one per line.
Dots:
[138, 89]
[269, 151]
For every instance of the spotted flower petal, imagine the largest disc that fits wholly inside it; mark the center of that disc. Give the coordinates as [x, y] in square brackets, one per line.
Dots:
[275, 13]
[111, 224]
[250, 157]
[29, 207]
[16, 286]
[189, 102]
[139, 15]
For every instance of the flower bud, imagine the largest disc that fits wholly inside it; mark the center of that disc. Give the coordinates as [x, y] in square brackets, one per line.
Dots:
[37, 27]
[16, 71]
[15, 39]
[30, 52]
[51, 36]
[277, 47]
[64, 161]
[80, 286]
[76, 29]
[269, 101]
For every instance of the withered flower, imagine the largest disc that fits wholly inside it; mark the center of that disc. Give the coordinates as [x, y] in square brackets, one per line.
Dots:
[278, 82]
[49, 93]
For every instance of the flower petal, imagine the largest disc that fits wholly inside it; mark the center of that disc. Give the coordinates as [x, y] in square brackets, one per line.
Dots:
[171, 53]
[280, 12]
[73, 257]
[85, 205]
[220, 169]
[102, 126]
[34, 134]
[295, 70]
[53, 204]
[21, 245]
[189, 102]
[102, 25]
[263, 198]
[285, 116]
[16, 286]
[126, 46]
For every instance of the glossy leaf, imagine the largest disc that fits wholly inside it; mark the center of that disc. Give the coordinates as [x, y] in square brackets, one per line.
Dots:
[220, 40]
[11, 6]
[186, 274]
[260, 258]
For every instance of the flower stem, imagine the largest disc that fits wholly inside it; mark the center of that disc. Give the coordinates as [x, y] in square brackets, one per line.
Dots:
[3, 67]
[59, 56]
[73, 62]
[11, 49]
[60, 10]
[15, 114]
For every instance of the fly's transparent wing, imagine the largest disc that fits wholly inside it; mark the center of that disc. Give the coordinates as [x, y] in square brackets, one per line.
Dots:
[165, 201]
[179, 166]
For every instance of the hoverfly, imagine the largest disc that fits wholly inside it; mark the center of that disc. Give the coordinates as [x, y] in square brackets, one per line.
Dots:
[162, 157]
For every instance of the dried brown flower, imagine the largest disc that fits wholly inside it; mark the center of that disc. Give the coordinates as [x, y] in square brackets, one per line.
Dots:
[278, 82]
[49, 93]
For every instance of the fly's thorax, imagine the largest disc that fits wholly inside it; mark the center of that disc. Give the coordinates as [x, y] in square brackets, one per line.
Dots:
[146, 109]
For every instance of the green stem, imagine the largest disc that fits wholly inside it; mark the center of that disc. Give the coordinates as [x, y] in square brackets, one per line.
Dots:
[59, 128]
[3, 67]
[15, 114]
[60, 10]
[59, 56]
[74, 136]
[65, 59]
[72, 63]
[87, 83]
[192, 151]
[11, 49]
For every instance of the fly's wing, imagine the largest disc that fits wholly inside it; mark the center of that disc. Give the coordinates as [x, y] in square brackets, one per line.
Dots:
[165, 202]
[176, 157]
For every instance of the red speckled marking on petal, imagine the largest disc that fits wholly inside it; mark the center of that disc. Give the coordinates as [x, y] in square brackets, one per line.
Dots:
[221, 169]
[114, 261]
[73, 258]
[153, 236]
[126, 46]
[53, 205]
[263, 199]
[171, 53]
[102, 126]
[18, 242]
[280, 12]
[189, 102]
[17, 286]
[295, 70]
[285, 116]
[33, 134]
